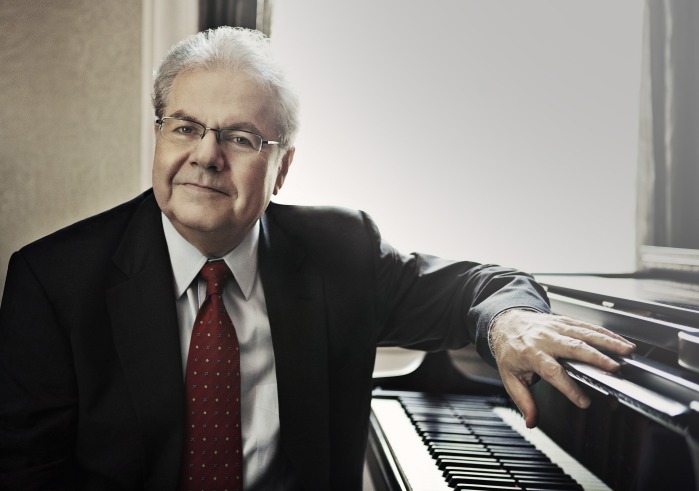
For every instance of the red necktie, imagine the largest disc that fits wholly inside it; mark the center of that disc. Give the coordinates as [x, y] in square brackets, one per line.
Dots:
[213, 449]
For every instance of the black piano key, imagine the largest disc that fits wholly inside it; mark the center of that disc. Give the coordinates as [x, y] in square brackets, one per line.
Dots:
[519, 474]
[486, 487]
[516, 452]
[493, 430]
[538, 465]
[437, 451]
[558, 486]
[508, 442]
[546, 475]
[452, 432]
[436, 419]
[561, 483]
[482, 411]
[451, 470]
[450, 437]
[469, 459]
[486, 422]
[467, 482]
[504, 456]
[542, 476]
[443, 428]
[458, 446]
[550, 475]
[493, 433]
[469, 479]
[496, 487]
[466, 462]
[432, 410]
[519, 453]
[535, 488]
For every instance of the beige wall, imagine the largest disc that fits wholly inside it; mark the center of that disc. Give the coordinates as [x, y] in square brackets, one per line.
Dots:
[69, 113]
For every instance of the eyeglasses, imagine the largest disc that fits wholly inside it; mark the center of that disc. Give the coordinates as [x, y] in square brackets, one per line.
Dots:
[185, 132]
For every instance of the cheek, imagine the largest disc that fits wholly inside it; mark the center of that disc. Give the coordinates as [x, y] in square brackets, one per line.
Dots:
[165, 166]
[164, 169]
[256, 180]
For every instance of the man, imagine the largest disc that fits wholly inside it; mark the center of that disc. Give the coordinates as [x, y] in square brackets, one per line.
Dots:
[99, 358]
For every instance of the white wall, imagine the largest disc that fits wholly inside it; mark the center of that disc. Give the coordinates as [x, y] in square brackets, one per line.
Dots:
[502, 131]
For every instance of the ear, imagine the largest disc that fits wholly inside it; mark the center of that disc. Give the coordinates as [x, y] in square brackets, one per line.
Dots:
[287, 159]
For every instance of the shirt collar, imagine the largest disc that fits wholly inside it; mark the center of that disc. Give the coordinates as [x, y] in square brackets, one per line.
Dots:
[187, 261]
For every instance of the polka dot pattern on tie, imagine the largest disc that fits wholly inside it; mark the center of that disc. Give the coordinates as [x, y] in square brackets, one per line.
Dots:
[213, 450]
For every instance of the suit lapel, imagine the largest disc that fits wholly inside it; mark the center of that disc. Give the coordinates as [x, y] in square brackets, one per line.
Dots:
[294, 298]
[145, 329]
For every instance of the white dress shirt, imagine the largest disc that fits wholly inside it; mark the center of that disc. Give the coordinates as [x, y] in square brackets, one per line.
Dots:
[245, 302]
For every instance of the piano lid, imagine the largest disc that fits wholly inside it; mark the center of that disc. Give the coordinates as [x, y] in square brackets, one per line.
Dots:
[674, 301]
[658, 311]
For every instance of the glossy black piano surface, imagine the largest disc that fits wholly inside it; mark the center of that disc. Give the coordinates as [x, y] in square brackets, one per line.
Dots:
[642, 429]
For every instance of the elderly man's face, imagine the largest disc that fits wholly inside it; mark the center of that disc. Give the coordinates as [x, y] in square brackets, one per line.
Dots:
[213, 196]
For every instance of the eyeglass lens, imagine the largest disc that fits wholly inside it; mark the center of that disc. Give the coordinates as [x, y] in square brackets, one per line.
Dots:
[185, 132]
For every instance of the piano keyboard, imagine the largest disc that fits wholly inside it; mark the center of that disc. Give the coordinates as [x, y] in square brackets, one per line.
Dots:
[468, 443]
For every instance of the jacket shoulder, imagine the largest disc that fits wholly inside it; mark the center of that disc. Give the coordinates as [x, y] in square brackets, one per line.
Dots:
[326, 226]
[91, 236]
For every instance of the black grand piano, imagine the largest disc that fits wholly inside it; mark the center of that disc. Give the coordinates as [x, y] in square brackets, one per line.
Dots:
[640, 433]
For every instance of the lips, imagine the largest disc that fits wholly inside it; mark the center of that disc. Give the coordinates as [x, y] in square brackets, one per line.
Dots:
[203, 188]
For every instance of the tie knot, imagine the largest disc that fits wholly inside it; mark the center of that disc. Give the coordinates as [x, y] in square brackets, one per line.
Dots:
[215, 273]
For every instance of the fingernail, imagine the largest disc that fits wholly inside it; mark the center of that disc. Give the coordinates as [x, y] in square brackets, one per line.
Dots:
[584, 402]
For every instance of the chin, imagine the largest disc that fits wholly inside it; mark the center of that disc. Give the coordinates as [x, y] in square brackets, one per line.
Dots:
[205, 224]
[196, 218]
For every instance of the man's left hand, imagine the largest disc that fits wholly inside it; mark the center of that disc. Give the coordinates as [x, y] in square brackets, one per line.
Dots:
[526, 343]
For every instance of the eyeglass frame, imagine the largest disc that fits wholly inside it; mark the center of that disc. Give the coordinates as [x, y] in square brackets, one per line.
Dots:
[160, 121]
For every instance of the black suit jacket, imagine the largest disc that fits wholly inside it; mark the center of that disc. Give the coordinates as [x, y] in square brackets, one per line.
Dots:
[91, 386]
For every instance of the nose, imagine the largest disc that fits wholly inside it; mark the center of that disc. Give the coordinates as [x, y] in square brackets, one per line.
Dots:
[208, 153]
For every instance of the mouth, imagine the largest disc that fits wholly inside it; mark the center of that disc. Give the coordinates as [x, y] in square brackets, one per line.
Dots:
[202, 188]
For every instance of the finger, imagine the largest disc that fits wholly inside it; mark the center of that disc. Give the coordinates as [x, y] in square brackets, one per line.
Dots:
[553, 372]
[521, 396]
[577, 349]
[602, 333]
[578, 338]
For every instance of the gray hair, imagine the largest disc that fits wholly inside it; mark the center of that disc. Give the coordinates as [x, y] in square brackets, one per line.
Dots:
[239, 50]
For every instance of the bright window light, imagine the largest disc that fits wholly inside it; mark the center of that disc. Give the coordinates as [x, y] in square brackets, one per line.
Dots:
[501, 132]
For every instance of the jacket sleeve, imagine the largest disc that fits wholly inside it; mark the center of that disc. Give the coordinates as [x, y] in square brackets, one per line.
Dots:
[38, 396]
[430, 303]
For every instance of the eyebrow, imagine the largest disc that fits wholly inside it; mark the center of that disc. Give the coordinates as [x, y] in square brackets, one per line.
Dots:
[243, 125]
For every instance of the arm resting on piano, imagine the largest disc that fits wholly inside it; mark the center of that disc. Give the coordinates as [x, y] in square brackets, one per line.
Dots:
[526, 343]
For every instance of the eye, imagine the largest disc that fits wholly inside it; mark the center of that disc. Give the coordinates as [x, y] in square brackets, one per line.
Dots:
[186, 129]
[239, 139]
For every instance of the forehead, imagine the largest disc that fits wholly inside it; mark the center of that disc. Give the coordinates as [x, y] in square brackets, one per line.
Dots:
[220, 98]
